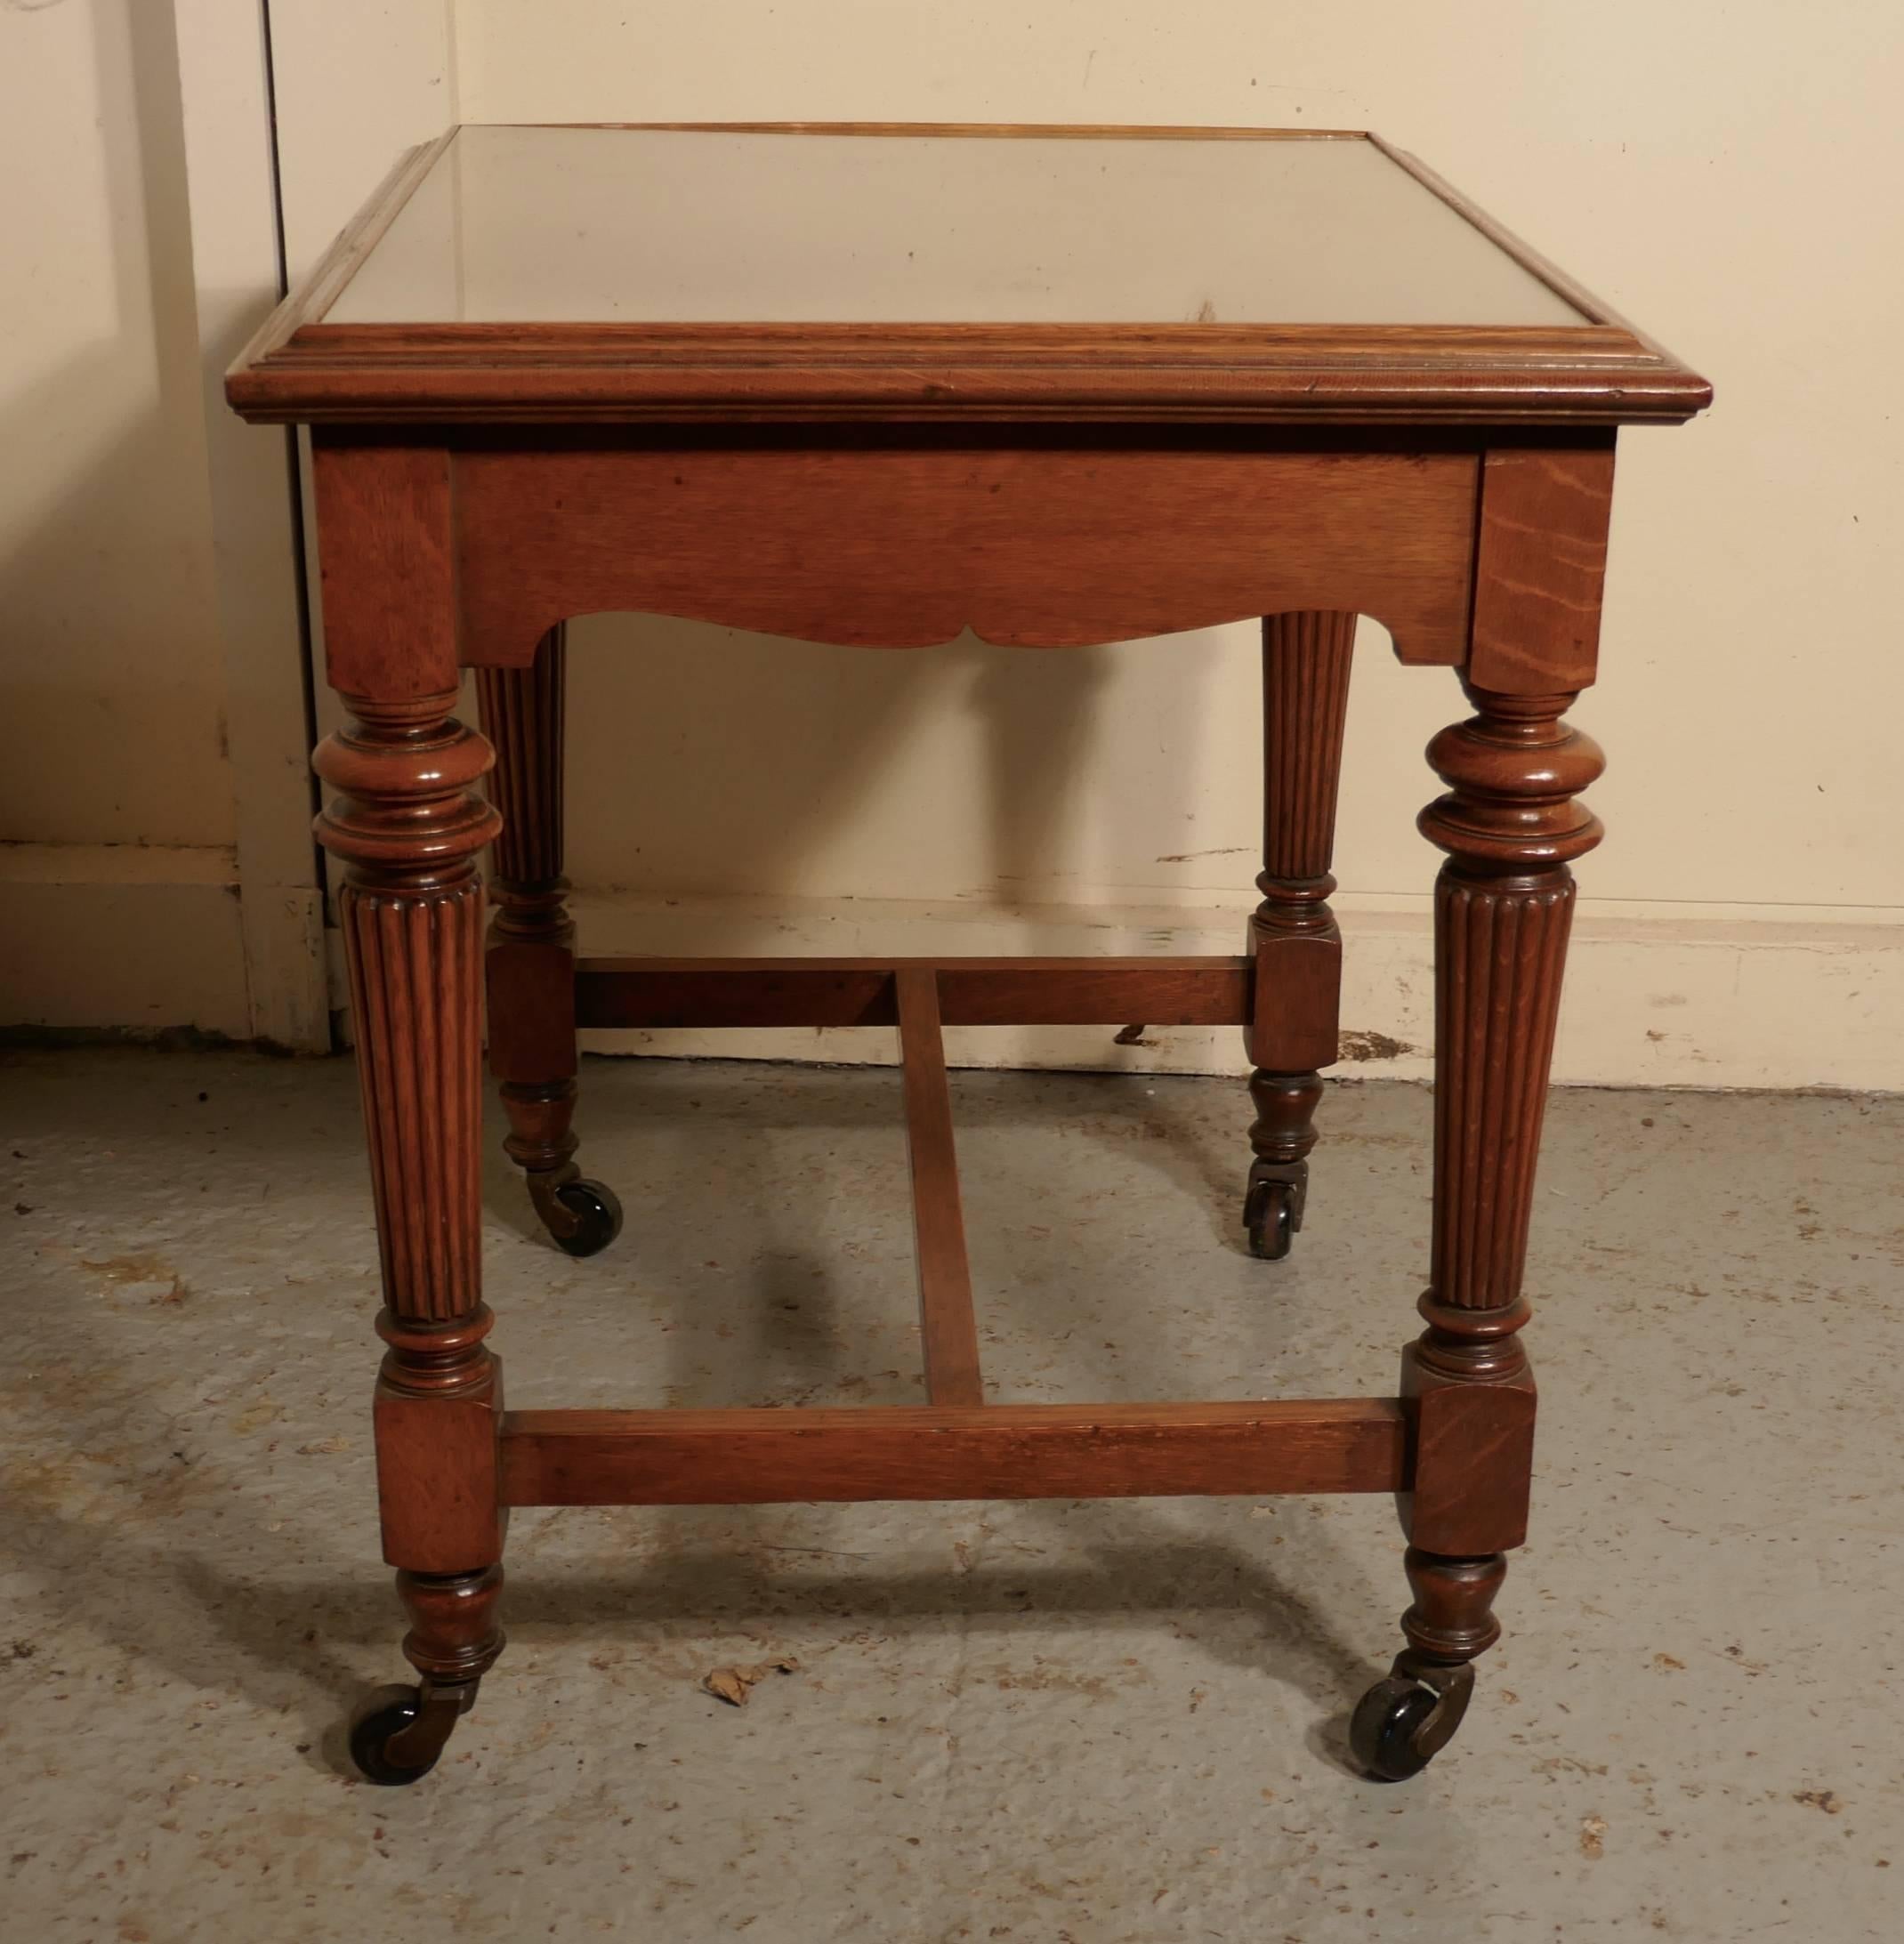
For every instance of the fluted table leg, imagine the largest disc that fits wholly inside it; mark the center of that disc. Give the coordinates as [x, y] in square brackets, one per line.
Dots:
[1503, 905]
[1294, 946]
[408, 824]
[529, 966]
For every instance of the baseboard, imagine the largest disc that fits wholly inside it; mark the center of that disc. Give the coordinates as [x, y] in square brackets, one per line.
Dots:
[1732, 997]
[122, 938]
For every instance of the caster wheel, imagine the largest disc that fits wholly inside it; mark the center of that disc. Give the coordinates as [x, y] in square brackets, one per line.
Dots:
[1269, 1215]
[595, 1215]
[1383, 1732]
[384, 1715]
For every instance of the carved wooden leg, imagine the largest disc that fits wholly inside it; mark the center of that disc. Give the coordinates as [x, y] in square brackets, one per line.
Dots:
[408, 823]
[1504, 905]
[1292, 939]
[530, 962]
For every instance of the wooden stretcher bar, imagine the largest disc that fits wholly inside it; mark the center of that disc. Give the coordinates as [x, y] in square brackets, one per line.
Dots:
[926, 1451]
[710, 992]
[947, 1323]
[955, 1446]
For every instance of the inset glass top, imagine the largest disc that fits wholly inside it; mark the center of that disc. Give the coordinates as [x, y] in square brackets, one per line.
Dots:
[553, 225]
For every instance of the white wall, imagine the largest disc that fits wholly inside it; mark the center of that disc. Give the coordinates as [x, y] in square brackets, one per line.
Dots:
[114, 788]
[156, 869]
[1719, 181]
[156, 866]
[1729, 188]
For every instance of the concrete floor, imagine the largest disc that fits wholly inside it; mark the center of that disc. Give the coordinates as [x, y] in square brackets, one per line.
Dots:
[1111, 1723]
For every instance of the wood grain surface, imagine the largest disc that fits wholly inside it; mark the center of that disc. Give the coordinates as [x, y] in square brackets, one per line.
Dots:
[1108, 991]
[300, 368]
[1540, 570]
[755, 1457]
[905, 546]
[948, 1328]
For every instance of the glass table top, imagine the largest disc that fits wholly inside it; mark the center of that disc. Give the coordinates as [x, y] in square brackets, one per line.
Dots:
[568, 225]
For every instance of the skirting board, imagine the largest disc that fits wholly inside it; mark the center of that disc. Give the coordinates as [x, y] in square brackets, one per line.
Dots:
[1736, 998]
[144, 939]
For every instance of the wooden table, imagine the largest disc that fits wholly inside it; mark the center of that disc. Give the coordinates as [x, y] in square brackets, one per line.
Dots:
[878, 385]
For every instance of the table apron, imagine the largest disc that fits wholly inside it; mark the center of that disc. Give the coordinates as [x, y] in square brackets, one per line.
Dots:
[1037, 547]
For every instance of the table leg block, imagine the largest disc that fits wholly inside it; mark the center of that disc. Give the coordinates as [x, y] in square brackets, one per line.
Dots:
[530, 990]
[438, 1475]
[1474, 1460]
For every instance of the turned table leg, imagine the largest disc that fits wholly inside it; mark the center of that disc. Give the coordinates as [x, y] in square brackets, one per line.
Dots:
[529, 966]
[408, 824]
[1504, 905]
[1294, 946]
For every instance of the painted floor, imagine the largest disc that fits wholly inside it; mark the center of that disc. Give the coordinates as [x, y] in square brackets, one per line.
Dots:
[1054, 1724]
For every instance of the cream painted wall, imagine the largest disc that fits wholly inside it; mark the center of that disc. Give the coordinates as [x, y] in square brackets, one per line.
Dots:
[1744, 922]
[156, 869]
[1687, 165]
[116, 795]
[156, 866]
[110, 730]
[357, 82]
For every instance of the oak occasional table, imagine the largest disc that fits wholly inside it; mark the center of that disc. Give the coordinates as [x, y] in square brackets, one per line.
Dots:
[878, 385]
